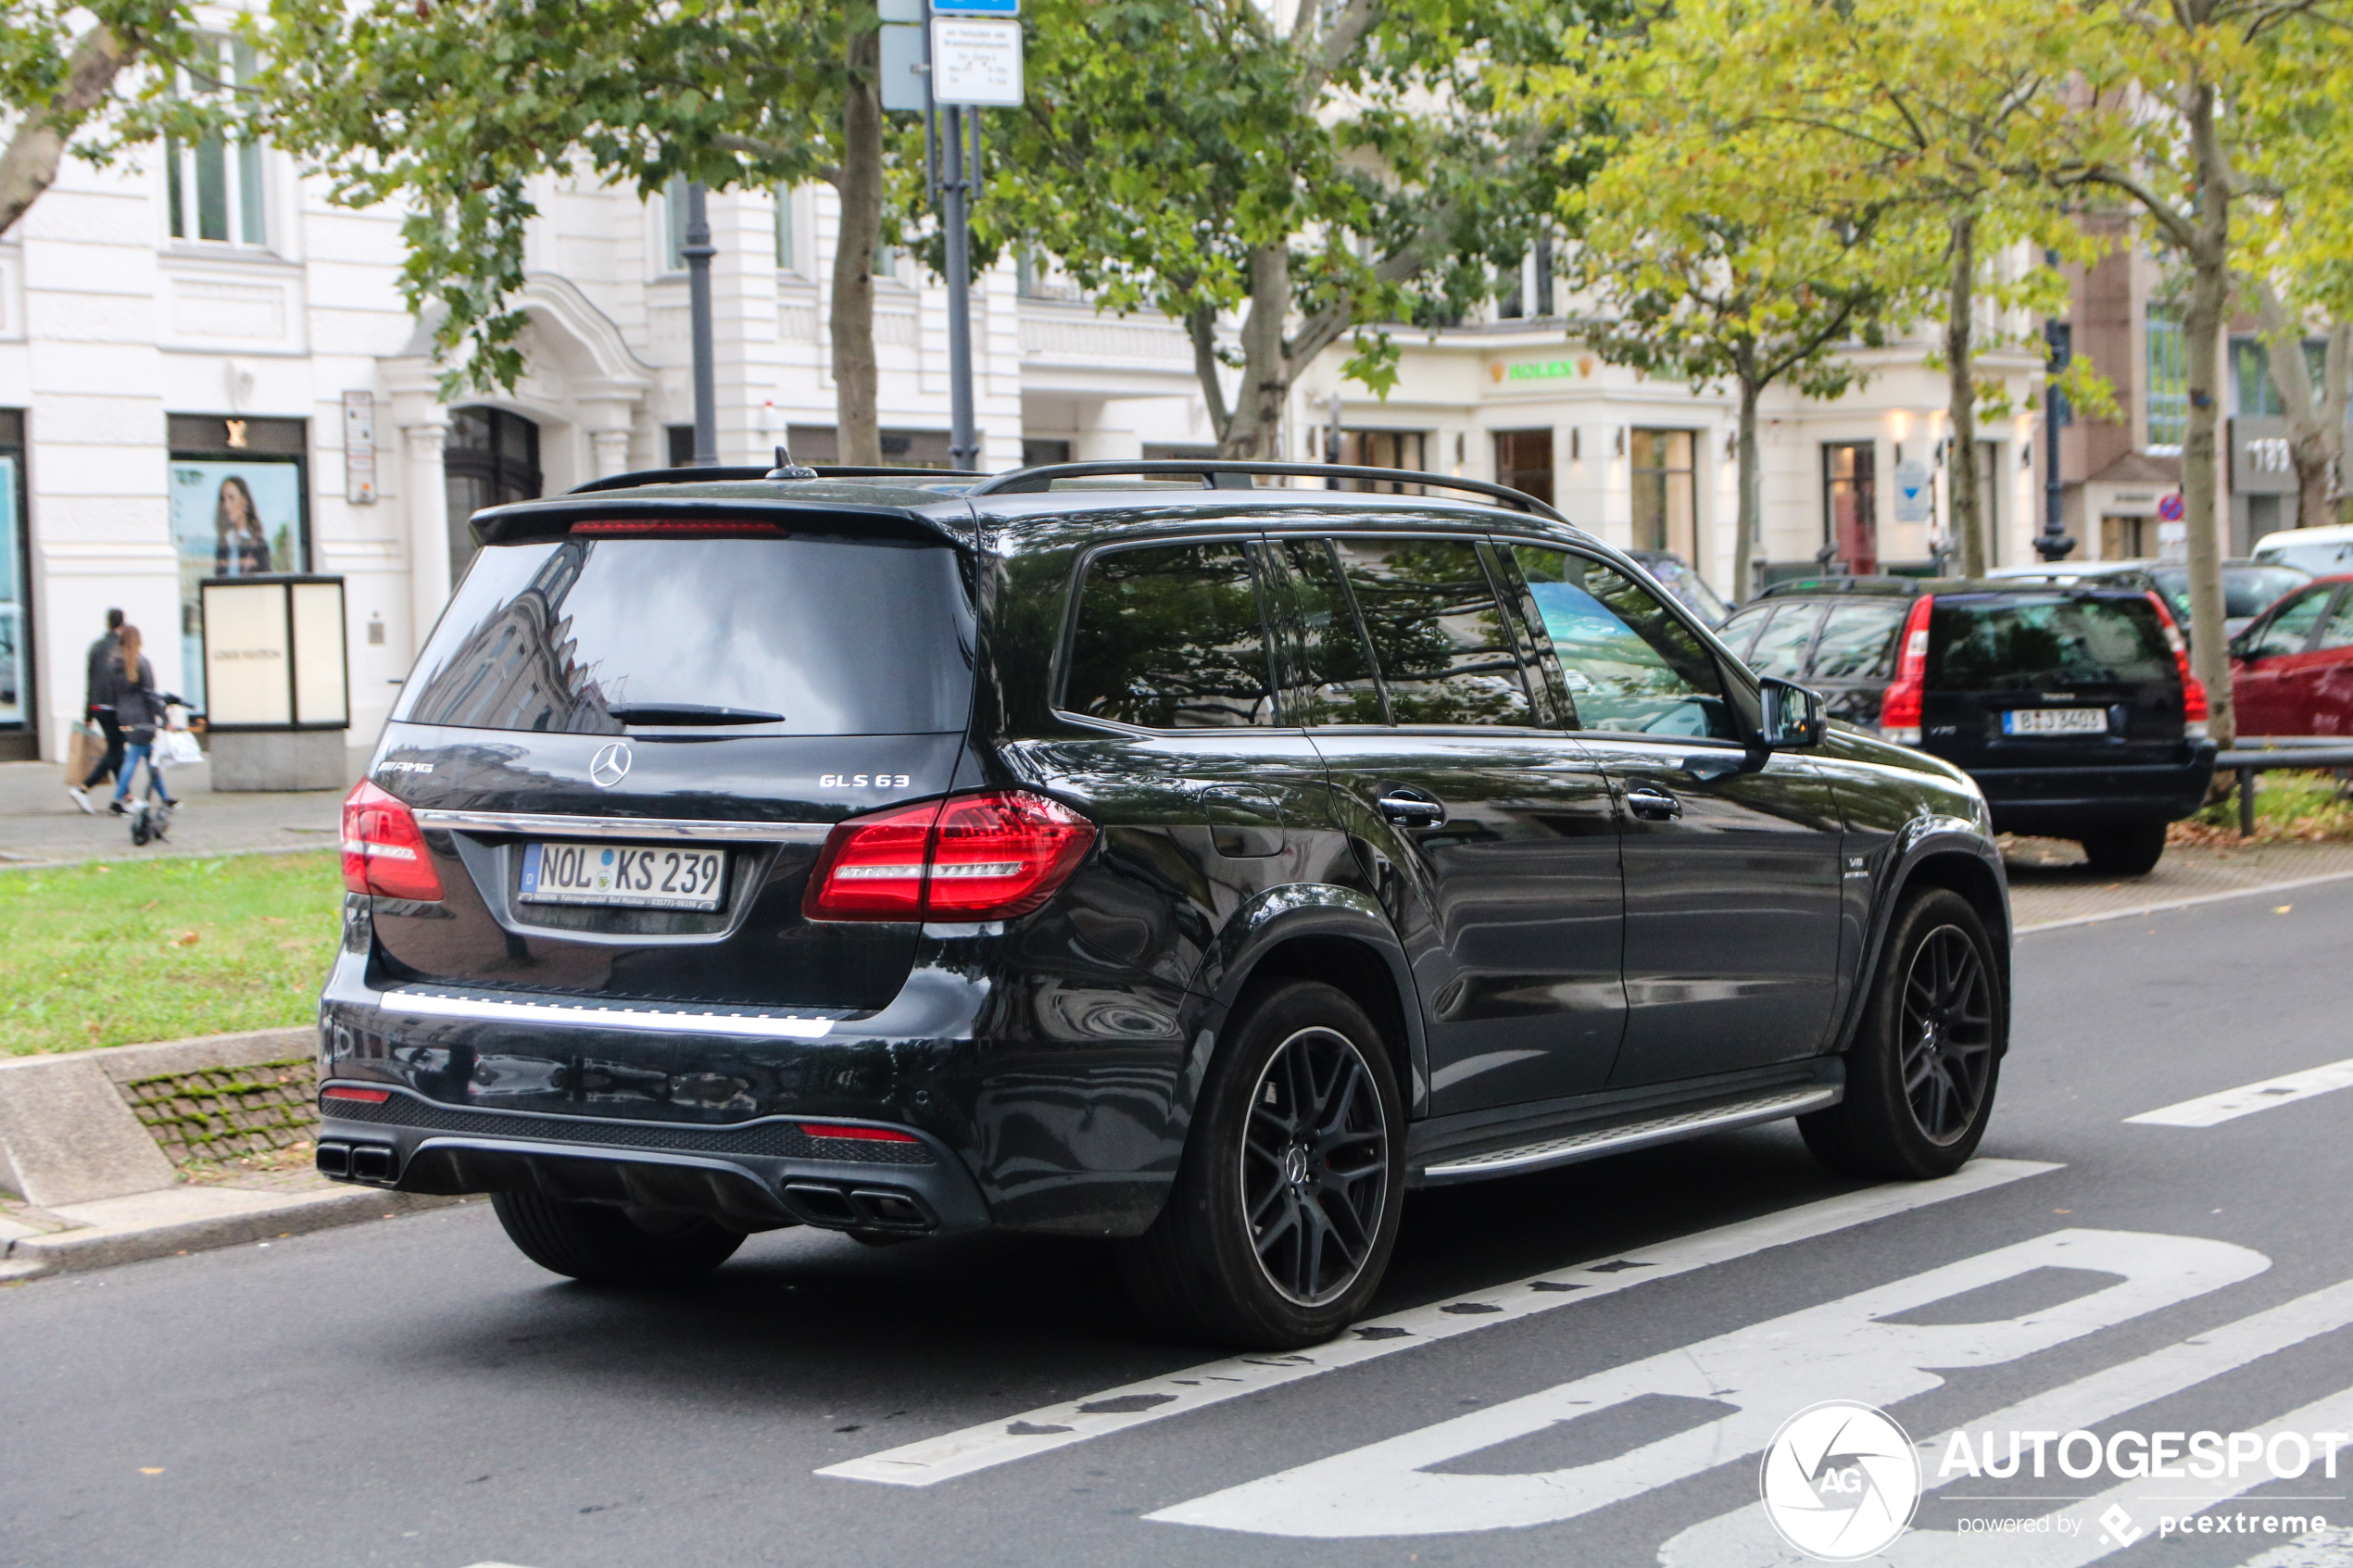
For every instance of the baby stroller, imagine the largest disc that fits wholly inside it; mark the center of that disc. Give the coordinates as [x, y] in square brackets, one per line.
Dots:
[151, 814]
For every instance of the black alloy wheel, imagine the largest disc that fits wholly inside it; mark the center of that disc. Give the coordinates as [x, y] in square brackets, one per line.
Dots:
[1927, 1052]
[1315, 1166]
[1948, 1035]
[1285, 1208]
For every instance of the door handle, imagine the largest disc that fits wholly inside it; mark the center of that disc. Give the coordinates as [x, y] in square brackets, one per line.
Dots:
[1411, 809]
[1653, 803]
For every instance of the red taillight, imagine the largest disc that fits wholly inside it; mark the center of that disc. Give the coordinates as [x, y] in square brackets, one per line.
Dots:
[863, 1134]
[1899, 708]
[383, 851]
[345, 1091]
[2194, 709]
[970, 857]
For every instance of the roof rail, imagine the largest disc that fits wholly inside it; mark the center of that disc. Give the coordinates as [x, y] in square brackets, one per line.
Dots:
[1218, 473]
[1842, 583]
[734, 472]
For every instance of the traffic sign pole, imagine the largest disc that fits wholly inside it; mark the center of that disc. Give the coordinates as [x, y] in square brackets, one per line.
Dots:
[975, 59]
[964, 441]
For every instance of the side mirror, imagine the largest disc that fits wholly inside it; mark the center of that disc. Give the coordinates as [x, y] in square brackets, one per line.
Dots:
[1792, 714]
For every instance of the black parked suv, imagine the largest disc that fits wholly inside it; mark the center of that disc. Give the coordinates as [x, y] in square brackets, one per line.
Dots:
[2069, 699]
[1164, 858]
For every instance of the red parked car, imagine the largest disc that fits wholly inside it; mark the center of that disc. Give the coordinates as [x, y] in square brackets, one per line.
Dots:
[2291, 669]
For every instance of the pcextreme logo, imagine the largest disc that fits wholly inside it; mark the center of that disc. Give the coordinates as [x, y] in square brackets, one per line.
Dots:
[1840, 1481]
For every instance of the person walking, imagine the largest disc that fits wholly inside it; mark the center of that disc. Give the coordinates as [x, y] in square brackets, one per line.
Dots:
[139, 708]
[97, 704]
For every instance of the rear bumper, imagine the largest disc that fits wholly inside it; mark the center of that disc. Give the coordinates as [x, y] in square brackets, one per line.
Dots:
[2057, 800]
[756, 1176]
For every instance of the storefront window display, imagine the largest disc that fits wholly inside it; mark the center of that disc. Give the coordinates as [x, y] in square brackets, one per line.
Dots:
[237, 511]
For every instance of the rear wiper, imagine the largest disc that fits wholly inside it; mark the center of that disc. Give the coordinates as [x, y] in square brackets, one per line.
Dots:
[690, 713]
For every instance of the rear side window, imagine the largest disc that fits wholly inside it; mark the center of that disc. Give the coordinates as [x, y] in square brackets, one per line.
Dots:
[835, 636]
[1858, 640]
[1630, 665]
[2023, 644]
[1780, 647]
[1328, 677]
[1168, 637]
[1438, 639]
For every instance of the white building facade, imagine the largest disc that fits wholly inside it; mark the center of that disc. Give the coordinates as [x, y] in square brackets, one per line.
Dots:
[206, 369]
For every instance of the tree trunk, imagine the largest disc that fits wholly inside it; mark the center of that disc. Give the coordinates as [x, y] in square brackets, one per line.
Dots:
[2315, 414]
[29, 161]
[1752, 495]
[858, 439]
[1255, 427]
[1960, 324]
[2202, 332]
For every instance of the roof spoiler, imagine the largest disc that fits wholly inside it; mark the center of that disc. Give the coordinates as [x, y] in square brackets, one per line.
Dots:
[553, 519]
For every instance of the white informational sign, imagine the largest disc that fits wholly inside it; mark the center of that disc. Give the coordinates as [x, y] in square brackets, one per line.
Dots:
[359, 448]
[1915, 502]
[975, 62]
[273, 654]
[2172, 543]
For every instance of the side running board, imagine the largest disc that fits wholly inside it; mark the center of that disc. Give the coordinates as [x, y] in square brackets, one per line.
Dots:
[1588, 1143]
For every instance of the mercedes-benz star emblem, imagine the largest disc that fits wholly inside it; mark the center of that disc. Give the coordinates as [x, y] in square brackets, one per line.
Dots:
[611, 766]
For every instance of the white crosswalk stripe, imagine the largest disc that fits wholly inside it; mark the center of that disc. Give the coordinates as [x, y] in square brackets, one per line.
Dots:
[1044, 1430]
[2322, 1548]
[2209, 1110]
[1744, 1539]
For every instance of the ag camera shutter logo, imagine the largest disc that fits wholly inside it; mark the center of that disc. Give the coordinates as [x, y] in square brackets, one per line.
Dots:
[1840, 1481]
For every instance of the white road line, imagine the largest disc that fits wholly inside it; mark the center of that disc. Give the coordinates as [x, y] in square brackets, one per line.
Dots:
[2209, 1110]
[2331, 1547]
[1743, 1539]
[1050, 1427]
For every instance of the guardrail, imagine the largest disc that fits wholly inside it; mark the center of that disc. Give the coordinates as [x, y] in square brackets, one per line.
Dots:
[2255, 754]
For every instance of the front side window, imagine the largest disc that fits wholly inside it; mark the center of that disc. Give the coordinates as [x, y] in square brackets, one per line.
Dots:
[1168, 637]
[1631, 664]
[215, 185]
[2338, 631]
[2287, 632]
[1444, 650]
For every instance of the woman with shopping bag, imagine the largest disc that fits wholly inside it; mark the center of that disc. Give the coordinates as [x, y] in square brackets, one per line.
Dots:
[139, 708]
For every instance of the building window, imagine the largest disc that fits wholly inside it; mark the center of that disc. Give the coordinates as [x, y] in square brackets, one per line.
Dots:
[215, 185]
[2125, 538]
[1850, 505]
[1037, 451]
[1383, 449]
[489, 457]
[1665, 493]
[2251, 381]
[2168, 401]
[1524, 461]
[787, 254]
[673, 207]
[15, 683]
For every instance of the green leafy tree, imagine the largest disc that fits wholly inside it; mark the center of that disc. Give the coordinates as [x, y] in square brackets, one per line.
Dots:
[451, 109]
[1721, 244]
[1354, 168]
[71, 77]
[2173, 100]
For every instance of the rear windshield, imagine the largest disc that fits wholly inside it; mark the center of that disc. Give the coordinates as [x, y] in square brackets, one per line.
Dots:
[834, 637]
[2024, 643]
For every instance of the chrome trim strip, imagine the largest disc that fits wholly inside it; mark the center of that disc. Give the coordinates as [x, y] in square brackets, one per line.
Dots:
[626, 827]
[1592, 1142]
[672, 1018]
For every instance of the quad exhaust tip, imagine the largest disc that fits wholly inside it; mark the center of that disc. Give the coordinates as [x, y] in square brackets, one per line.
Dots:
[858, 1209]
[360, 1163]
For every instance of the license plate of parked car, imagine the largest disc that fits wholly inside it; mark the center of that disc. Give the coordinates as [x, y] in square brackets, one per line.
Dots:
[2054, 722]
[630, 877]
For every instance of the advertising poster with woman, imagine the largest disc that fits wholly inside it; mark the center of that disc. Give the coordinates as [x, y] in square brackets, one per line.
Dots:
[232, 517]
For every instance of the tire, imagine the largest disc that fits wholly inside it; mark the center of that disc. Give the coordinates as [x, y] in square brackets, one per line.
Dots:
[1329, 1183]
[2132, 849]
[602, 1244]
[1921, 1072]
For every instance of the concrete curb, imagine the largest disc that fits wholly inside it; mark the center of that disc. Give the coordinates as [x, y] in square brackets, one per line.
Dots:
[297, 1214]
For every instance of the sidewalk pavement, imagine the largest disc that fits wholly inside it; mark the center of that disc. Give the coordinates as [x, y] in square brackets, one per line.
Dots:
[2051, 886]
[41, 825]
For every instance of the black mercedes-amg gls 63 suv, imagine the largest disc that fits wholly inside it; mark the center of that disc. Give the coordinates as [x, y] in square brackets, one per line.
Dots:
[1163, 855]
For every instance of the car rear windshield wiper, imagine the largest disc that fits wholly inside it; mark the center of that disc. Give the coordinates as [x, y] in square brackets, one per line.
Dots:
[689, 713]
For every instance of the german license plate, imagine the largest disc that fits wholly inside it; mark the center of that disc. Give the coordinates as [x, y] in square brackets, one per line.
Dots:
[555, 872]
[2054, 722]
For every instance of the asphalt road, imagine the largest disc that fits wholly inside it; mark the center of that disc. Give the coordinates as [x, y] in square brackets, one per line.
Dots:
[414, 1393]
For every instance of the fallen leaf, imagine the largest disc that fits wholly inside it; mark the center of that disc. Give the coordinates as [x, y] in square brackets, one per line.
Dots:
[2282, 908]
[157, 1471]
[187, 939]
